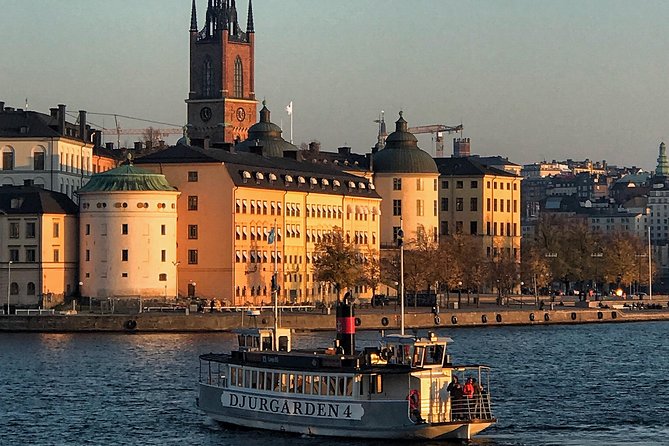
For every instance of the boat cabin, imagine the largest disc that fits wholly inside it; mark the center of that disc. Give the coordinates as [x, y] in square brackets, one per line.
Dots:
[428, 352]
[263, 339]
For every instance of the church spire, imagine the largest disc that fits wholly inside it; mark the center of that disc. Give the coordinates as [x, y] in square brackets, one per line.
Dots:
[193, 18]
[249, 20]
[662, 162]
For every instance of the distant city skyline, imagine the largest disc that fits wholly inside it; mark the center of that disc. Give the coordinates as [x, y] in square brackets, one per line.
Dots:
[530, 80]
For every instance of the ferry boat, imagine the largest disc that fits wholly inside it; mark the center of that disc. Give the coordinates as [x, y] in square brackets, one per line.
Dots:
[396, 390]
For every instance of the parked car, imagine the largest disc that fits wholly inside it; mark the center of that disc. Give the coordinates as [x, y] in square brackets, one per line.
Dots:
[379, 300]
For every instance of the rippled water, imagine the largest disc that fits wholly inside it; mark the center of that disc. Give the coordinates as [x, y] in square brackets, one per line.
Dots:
[552, 385]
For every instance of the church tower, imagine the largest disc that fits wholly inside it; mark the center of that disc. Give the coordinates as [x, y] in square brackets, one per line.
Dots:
[221, 101]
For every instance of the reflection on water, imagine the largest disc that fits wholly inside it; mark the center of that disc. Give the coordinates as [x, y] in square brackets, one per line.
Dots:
[567, 385]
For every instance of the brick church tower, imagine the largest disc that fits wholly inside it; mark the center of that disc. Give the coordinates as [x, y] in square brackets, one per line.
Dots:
[221, 101]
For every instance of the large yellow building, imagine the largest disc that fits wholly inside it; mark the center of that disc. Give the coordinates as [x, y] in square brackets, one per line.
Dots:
[406, 177]
[232, 198]
[482, 201]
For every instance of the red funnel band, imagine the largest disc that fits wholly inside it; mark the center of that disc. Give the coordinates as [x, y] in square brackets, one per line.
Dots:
[346, 325]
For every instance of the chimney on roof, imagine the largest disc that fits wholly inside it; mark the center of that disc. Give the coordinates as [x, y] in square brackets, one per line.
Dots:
[161, 144]
[2, 106]
[138, 145]
[344, 150]
[109, 146]
[96, 137]
[61, 119]
[54, 112]
[461, 147]
[290, 154]
[149, 146]
[82, 126]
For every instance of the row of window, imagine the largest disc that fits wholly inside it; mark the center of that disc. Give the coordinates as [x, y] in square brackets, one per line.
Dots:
[124, 205]
[473, 205]
[420, 184]
[420, 208]
[460, 184]
[124, 229]
[124, 255]
[15, 290]
[30, 229]
[298, 383]
[491, 229]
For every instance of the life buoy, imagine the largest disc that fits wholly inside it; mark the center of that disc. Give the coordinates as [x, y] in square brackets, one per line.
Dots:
[357, 322]
[614, 315]
[600, 315]
[414, 399]
[547, 317]
[384, 321]
[573, 316]
[454, 320]
[484, 319]
[437, 320]
[498, 318]
[130, 324]
[532, 316]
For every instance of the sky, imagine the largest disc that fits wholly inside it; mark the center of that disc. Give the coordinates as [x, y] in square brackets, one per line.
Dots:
[530, 80]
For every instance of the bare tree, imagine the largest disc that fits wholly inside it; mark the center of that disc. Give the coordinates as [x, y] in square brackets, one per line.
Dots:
[337, 261]
[371, 270]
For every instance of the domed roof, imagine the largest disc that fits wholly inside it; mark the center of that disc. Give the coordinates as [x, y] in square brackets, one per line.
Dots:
[402, 154]
[266, 134]
[126, 178]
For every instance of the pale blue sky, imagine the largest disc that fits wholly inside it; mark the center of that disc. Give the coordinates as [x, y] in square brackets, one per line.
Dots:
[529, 79]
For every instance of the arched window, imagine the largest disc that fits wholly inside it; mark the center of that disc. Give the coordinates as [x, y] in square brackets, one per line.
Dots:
[31, 289]
[207, 79]
[14, 289]
[7, 158]
[38, 159]
[239, 78]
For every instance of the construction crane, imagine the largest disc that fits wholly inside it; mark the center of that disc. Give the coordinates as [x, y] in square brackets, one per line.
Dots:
[437, 130]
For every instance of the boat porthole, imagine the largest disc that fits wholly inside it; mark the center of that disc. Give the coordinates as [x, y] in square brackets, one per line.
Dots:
[600, 315]
[547, 317]
[498, 318]
[437, 320]
[573, 316]
[357, 322]
[454, 320]
[614, 315]
[384, 321]
[131, 324]
[532, 316]
[484, 319]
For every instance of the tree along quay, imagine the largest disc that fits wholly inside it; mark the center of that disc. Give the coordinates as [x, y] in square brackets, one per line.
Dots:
[378, 320]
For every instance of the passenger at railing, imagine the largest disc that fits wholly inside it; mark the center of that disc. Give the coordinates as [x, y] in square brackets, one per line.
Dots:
[211, 306]
[468, 392]
[479, 409]
[457, 400]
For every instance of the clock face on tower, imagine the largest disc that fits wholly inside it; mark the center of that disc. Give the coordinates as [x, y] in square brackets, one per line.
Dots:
[241, 114]
[205, 114]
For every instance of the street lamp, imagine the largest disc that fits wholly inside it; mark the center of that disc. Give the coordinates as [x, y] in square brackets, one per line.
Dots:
[9, 283]
[595, 256]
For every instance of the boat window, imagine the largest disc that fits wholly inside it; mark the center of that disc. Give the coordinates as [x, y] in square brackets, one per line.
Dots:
[434, 354]
[291, 383]
[316, 385]
[284, 382]
[299, 384]
[349, 386]
[376, 384]
[417, 360]
[267, 343]
[332, 381]
[308, 384]
[283, 343]
[324, 385]
[268, 381]
[261, 380]
[247, 378]
[235, 376]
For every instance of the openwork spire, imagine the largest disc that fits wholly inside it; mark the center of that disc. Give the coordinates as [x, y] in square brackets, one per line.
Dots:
[249, 20]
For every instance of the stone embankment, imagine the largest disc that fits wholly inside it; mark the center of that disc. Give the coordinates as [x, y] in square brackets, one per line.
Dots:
[371, 320]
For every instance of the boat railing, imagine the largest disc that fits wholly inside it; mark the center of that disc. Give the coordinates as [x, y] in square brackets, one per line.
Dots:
[213, 373]
[444, 407]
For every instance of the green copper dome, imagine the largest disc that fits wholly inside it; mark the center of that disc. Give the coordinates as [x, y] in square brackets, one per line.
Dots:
[266, 134]
[127, 178]
[402, 154]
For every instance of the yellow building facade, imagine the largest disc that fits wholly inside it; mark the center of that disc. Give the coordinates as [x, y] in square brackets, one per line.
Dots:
[481, 201]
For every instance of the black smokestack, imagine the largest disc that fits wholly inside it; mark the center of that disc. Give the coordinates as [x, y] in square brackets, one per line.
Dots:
[346, 324]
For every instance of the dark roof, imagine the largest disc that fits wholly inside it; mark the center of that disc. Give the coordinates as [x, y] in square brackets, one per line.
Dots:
[126, 178]
[34, 200]
[27, 124]
[401, 153]
[467, 167]
[266, 134]
[239, 162]
[495, 160]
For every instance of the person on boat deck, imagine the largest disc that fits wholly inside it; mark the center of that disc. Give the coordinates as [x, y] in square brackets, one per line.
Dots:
[457, 398]
[414, 405]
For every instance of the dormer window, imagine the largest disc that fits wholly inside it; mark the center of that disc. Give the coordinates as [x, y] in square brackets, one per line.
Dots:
[362, 186]
[272, 177]
[325, 182]
[260, 176]
[351, 184]
[371, 186]
[336, 183]
[313, 180]
[288, 178]
[246, 175]
[301, 180]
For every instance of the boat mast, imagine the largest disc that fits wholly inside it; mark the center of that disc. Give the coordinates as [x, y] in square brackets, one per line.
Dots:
[650, 269]
[275, 288]
[400, 242]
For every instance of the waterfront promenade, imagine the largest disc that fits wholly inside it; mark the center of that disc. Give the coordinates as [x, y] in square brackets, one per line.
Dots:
[487, 312]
